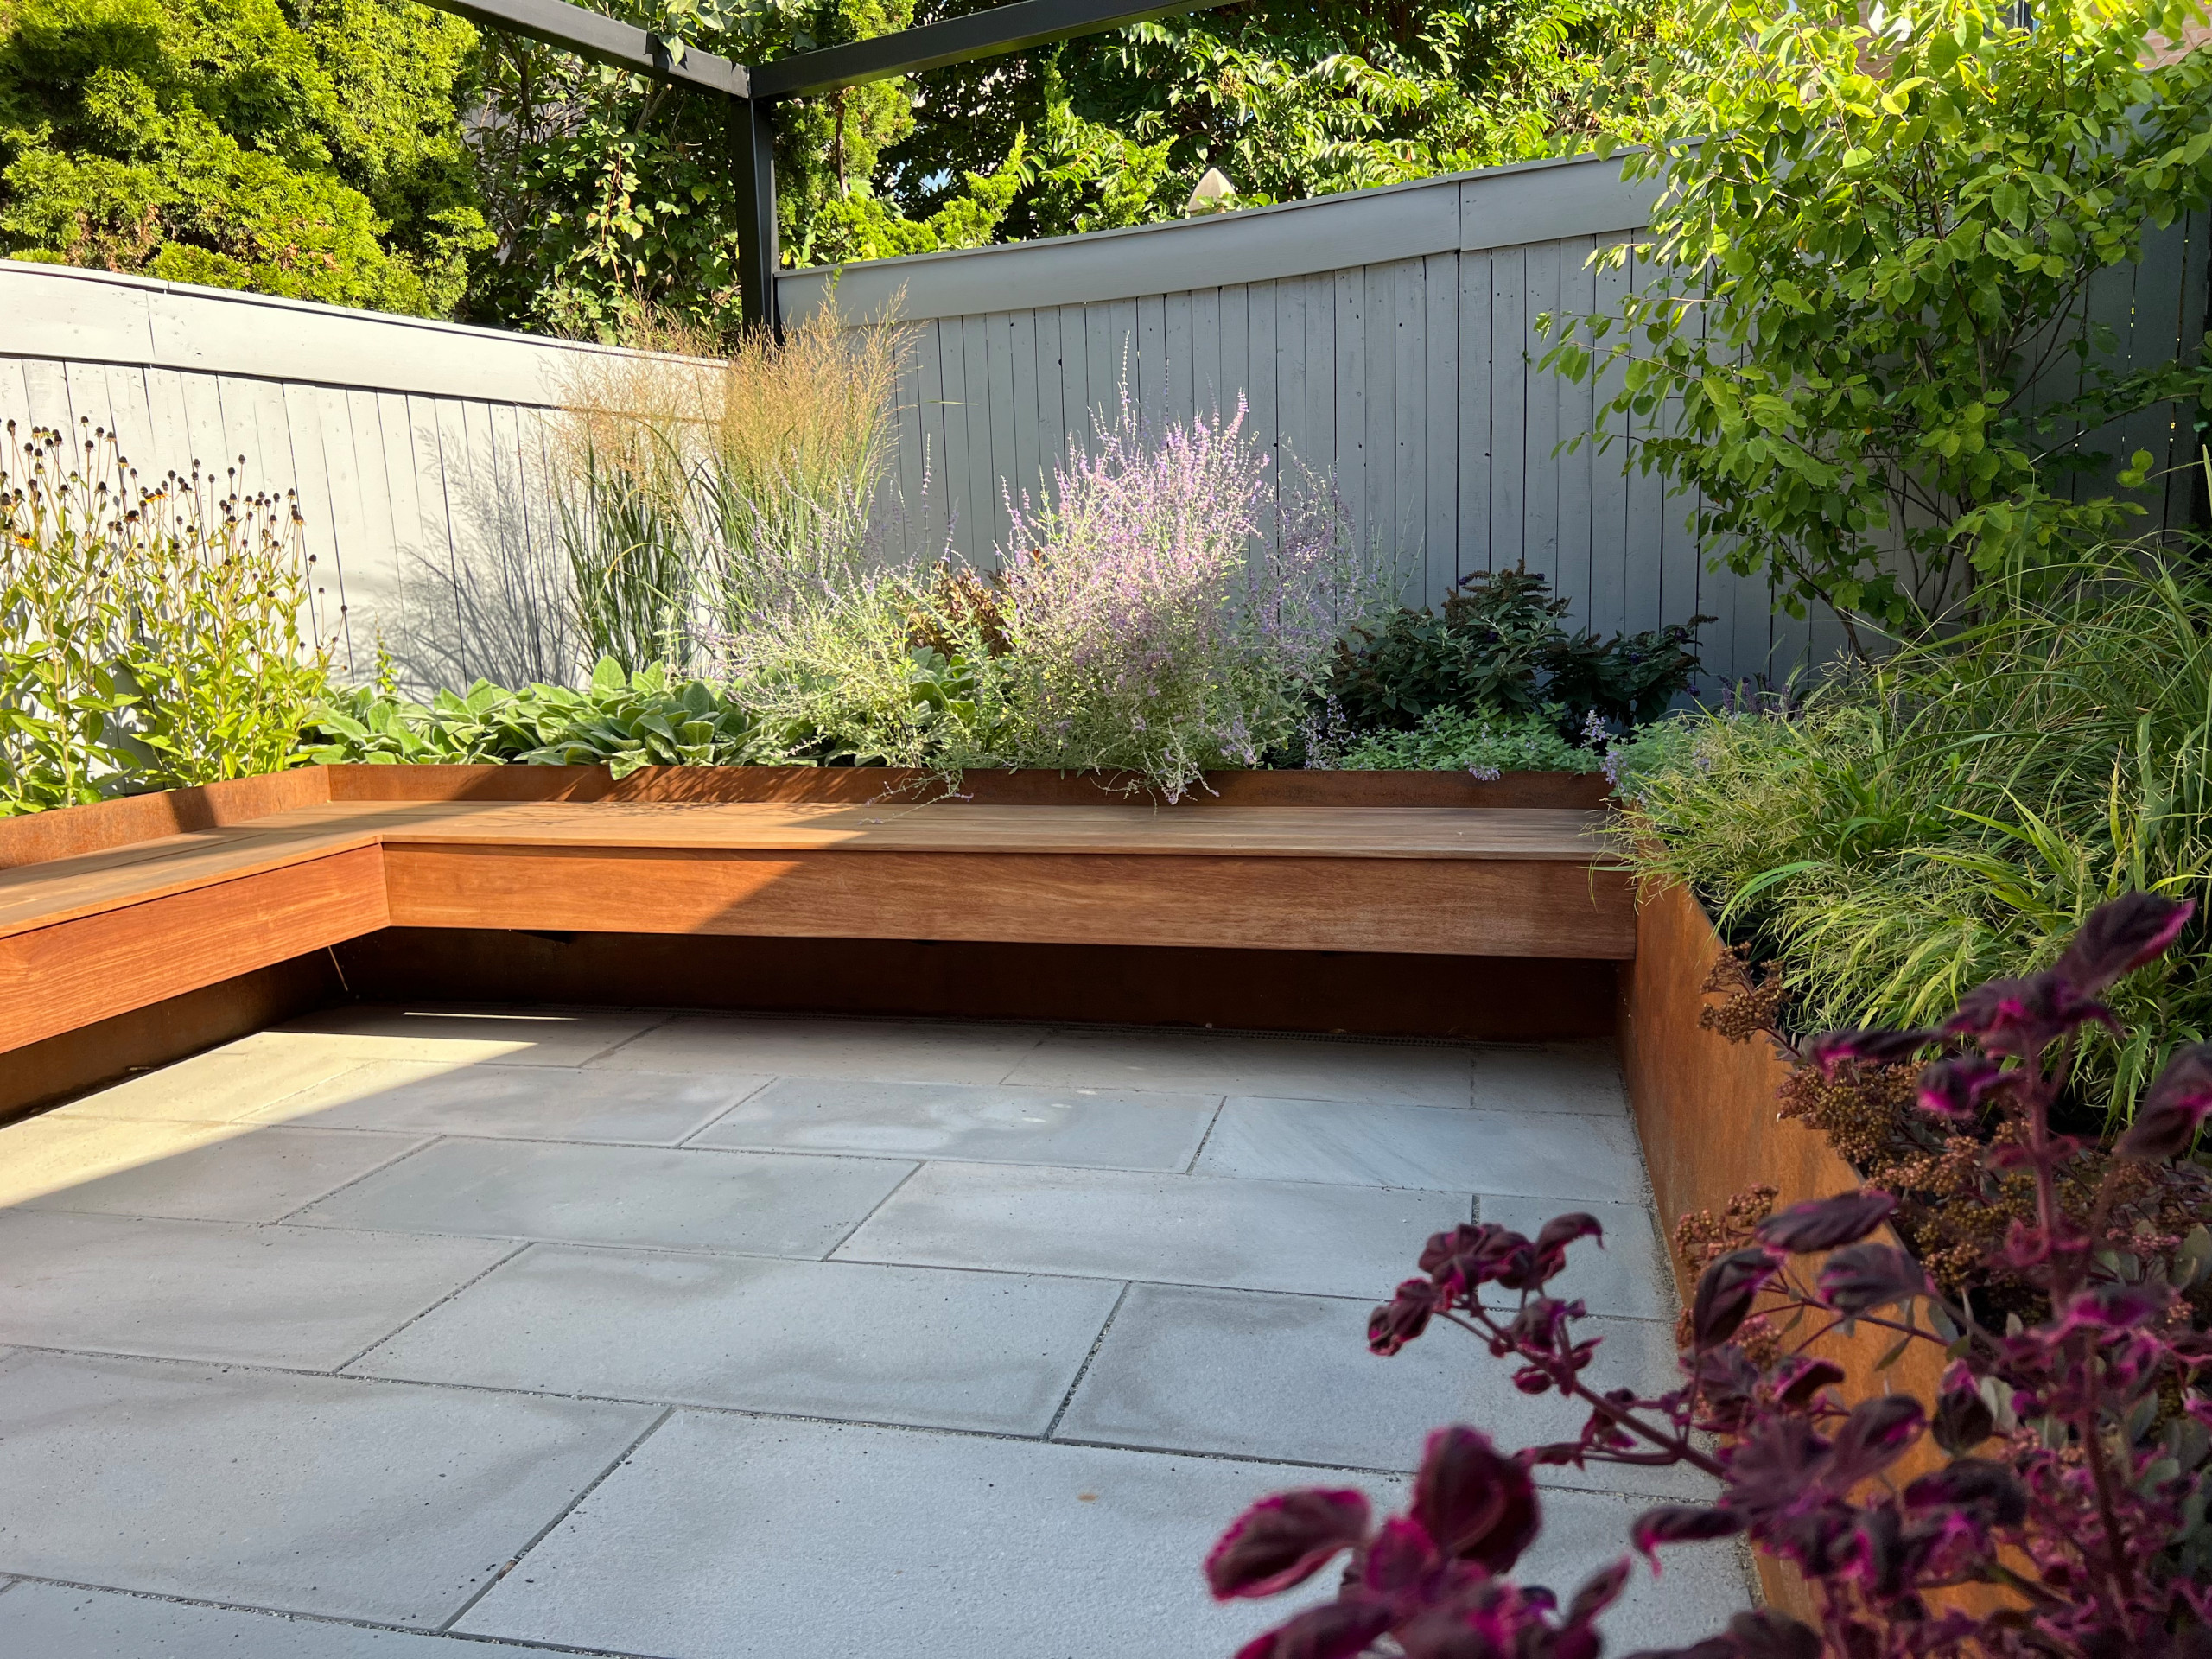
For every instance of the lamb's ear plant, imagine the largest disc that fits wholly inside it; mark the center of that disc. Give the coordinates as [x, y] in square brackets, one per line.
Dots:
[1862, 336]
[2059, 1470]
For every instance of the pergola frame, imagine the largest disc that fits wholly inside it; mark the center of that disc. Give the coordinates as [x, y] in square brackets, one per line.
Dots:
[752, 91]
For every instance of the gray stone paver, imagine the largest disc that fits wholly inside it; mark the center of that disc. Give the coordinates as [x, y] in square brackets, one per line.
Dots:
[1192, 1229]
[1227, 1063]
[252, 1175]
[755, 1203]
[1554, 1078]
[1260, 1375]
[516, 1103]
[1099, 1357]
[304, 1494]
[1372, 1144]
[995, 1351]
[53, 1621]
[728, 1537]
[1074, 1129]
[534, 1036]
[871, 1050]
[291, 1296]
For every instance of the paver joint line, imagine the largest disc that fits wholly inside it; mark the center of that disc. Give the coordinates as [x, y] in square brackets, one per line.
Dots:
[567, 1509]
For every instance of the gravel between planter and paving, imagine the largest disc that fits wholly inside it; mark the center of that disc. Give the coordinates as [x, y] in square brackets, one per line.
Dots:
[454, 1332]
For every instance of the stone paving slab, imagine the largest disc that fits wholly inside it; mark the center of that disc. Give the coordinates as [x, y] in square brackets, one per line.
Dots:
[1177, 1229]
[1259, 1375]
[519, 1102]
[1557, 1155]
[1578, 1078]
[918, 1345]
[1222, 1063]
[294, 1296]
[759, 1204]
[253, 1174]
[1626, 1276]
[51, 1621]
[532, 1036]
[51, 1153]
[875, 1050]
[1087, 1128]
[223, 1086]
[727, 1537]
[301, 1494]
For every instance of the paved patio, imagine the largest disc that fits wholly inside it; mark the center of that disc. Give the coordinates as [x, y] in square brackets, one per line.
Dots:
[452, 1332]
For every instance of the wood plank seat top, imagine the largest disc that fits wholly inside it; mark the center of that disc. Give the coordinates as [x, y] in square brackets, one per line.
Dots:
[121, 926]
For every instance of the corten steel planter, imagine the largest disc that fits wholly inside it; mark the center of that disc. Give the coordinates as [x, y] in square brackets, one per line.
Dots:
[1705, 1111]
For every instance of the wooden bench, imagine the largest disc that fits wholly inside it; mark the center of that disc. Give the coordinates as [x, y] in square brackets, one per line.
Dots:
[119, 908]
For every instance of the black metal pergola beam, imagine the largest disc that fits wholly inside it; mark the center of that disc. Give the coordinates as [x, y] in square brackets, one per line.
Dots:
[590, 35]
[754, 89]
[986, 34]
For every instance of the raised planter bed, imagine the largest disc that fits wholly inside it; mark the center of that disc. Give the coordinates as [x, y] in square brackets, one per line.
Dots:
[1705, 1111]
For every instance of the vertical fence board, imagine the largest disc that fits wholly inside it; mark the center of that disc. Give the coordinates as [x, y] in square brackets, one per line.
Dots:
[1473, 511]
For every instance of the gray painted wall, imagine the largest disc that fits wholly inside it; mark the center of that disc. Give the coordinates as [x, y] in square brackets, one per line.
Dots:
[1387, 336]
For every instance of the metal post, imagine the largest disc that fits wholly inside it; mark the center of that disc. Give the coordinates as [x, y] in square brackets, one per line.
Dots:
[753, 155]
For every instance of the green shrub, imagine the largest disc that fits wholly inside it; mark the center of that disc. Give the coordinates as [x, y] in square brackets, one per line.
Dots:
[1453, 739]
[149, 637]
[1955, 812]
[1879, 230]
[1496, 646]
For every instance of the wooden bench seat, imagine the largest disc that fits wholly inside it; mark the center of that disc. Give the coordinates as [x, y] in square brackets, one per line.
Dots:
[118, 927]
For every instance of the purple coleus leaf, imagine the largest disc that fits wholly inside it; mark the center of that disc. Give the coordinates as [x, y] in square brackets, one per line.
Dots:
[2022, 1016]
[2168, 1119]
[1867, 1276]
[1874, 1045]
[1404, 1317]
[2121, 936]
[1475, 1504]
[1875, 1435]
[1680, 1523]
[1285, 1540]
[1799, 1378]
[1825, 1224]
[1955, 1088]
[1963, 1419]
[1991, 1494]
[1726, 1293]
[1335, 1630]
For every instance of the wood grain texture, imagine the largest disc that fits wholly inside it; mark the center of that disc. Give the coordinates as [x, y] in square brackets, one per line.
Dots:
[59, 1067]
[73, 973]
[1453, 907]
[71, 831]
[42, 895]
[1532, 836]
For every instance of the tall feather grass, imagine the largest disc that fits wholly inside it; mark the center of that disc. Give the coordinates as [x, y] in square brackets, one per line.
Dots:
[700, 489]
[1952, 814]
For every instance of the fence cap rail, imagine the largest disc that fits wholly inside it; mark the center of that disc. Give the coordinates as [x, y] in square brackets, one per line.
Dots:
[1494, 207]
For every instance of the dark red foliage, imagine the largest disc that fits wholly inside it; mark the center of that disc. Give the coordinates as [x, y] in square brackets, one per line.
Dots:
[2077, 1445]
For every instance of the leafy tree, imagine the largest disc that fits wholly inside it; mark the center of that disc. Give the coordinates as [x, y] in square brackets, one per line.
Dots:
[1290, 98]
[309, 148]
[1876, 237]
[613, 196]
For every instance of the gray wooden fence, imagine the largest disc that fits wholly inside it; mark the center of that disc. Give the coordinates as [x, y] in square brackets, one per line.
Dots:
[1385, 336]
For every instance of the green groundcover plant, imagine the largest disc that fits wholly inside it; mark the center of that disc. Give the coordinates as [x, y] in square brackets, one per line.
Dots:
[1907, 828]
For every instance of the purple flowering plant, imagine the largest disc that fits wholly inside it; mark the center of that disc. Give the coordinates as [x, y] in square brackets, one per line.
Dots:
[1171, 608]
[2060, 1470]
